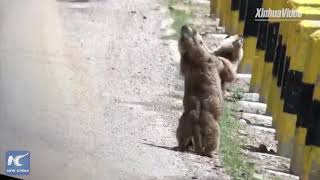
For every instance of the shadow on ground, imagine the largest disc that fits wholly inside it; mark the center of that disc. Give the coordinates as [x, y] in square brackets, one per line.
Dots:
[261, 149]
[155, 106]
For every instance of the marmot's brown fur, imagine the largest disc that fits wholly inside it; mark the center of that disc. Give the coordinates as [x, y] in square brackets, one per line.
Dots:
[231, 49]
[203, 98]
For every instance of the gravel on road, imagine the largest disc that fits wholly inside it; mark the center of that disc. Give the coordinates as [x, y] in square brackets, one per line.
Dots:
[91, 89]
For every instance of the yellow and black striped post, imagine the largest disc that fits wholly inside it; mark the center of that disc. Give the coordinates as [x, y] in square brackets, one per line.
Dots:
[280, 64]
[250, 34]
[272, 36]
[218, 4]
[234, 17]
[294, 43]
[257, 70]
[298, 3]
[274, 93]
[227, 15]
[276, 103]
[242, 16]
[311, 158]
[272, 39]
[299, 152]
[223, 7]
[288, 117]
[258, 63]
[305, 144]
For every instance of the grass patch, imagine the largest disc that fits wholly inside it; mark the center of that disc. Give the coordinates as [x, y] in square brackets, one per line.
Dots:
[182, 12]
[234, 161]
[172, 2]
[180, 16]
[236, 94]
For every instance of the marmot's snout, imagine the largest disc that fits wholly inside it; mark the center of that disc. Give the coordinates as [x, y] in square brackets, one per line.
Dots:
[186, 30]
[238, 43]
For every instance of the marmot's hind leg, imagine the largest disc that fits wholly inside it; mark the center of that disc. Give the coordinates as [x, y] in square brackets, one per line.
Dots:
[197, 138]
[211, 134]
[184, 132]
[185, 129]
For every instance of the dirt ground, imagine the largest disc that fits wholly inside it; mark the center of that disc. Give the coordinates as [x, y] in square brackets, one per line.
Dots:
[139, 81]
[92, 90]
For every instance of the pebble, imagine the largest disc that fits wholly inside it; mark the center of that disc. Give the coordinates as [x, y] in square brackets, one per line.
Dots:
[242, 122]
[242, 132]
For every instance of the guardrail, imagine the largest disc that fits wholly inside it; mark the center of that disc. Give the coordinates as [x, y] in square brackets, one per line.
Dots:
[283, 56]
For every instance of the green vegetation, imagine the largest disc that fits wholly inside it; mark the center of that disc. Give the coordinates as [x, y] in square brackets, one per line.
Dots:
[236, 94]
[172, 2]
[182, 12]
[180, 16]
[234, 160]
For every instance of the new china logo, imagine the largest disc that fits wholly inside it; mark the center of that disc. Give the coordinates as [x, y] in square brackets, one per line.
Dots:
[17, 163]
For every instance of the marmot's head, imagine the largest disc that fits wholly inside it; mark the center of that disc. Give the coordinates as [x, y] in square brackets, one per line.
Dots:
[231, 48]
[191, 43]
[236, 40]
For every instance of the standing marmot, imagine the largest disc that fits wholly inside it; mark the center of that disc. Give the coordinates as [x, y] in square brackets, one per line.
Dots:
[231, 48]
[203, 98]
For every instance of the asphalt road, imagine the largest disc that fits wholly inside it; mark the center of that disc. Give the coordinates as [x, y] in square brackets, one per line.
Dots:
[91, 90]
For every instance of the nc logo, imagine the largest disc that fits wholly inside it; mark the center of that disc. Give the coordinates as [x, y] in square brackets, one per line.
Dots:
[17, 163]
[16, 160]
